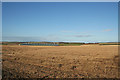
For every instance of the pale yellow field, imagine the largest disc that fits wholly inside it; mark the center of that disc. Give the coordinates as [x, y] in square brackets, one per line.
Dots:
[86, 61]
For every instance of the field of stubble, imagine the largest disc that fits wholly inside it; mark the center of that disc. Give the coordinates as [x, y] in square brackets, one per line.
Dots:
[86, 61]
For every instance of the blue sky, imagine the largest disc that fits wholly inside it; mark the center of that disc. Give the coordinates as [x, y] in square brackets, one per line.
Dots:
[60, 21]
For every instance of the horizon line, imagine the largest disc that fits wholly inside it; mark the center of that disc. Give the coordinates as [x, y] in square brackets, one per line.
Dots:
[66, 41]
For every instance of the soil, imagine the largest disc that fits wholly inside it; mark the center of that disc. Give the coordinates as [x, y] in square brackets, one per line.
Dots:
[86, 61]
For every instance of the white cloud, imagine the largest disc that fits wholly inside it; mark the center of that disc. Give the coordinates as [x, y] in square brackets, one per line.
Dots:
[82, 35]
[67, 31]
[107, 30]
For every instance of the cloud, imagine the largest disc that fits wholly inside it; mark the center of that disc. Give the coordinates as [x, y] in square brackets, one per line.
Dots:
[22, 38]
[67, 31]
[107, 30]
[31, 38]
[83, 35]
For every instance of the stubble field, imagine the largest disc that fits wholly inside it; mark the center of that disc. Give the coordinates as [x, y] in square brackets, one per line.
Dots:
[86, 61]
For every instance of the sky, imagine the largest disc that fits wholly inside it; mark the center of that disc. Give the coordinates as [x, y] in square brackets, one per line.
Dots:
[60, 0]
[60, 21]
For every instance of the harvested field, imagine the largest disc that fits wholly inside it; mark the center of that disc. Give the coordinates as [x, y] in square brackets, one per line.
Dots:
[86, 61]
